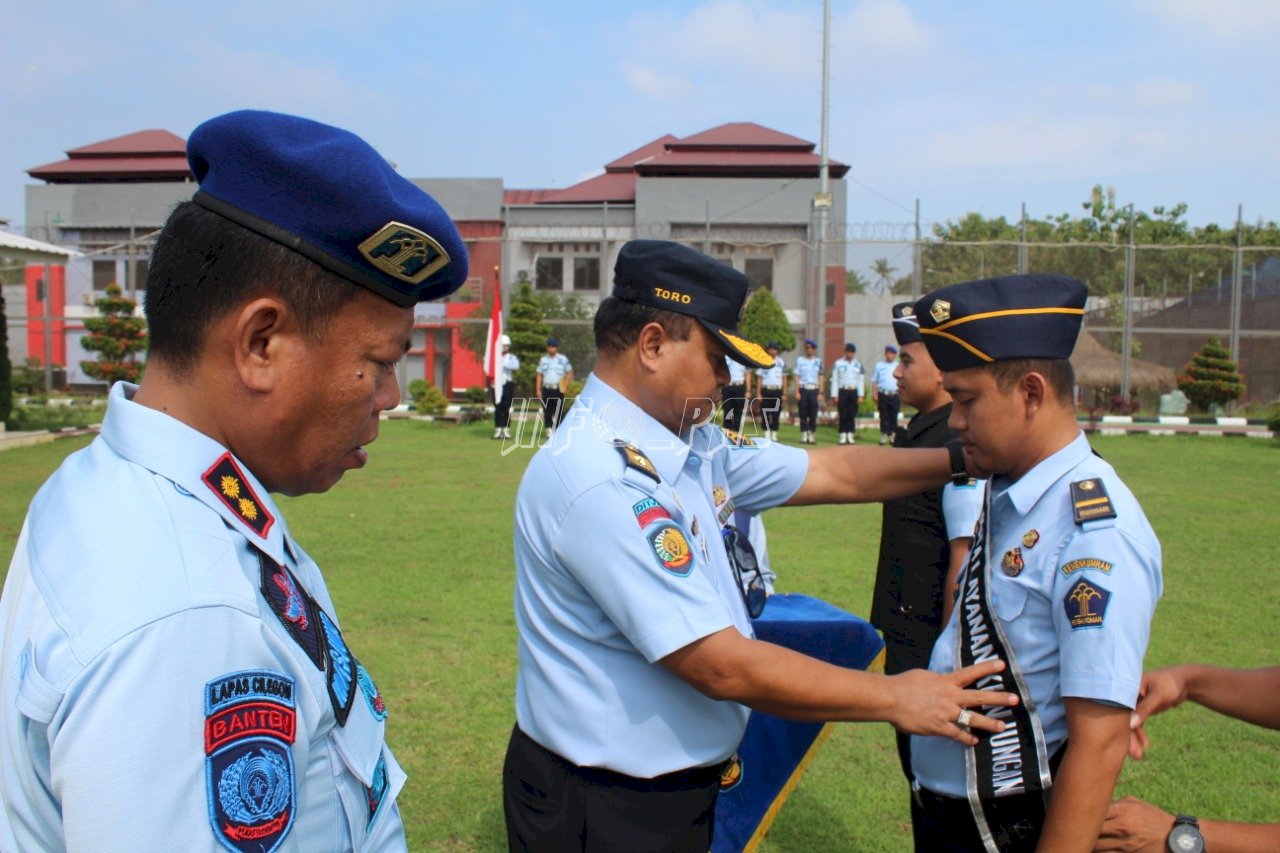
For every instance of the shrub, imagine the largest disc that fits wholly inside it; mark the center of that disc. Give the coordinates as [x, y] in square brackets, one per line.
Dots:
[117, 336]
[42, 417]
[1211, 378]
[476, 395]
[427, 398]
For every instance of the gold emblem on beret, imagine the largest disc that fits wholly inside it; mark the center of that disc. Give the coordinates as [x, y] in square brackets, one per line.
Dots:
[908, 311]
[941, 311]
[404, 252]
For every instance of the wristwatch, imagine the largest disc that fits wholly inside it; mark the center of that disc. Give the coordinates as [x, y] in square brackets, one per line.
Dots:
[1185, 836]
[959, 470]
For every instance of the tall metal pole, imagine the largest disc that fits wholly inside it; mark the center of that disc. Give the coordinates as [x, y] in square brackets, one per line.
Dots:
[1237, 274]
[132, 263]
[1022, 242]
[1127, 337]
[916, 259]
[47, 308]
[706, 231]
[823, 200]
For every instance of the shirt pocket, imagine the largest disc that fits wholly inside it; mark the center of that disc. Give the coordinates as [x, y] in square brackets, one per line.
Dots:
[366, 776]
[1010, 599]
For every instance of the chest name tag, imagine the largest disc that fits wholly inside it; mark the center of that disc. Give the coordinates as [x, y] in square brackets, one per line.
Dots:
[1089, 501]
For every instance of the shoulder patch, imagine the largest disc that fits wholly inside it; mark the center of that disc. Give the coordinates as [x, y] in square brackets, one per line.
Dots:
[648, 511]
[1087, 563]
[635, 459]
[249, 729]
[1086, 605]
[1089, 500]
[737, 439]
[228, 482]
[671, 548]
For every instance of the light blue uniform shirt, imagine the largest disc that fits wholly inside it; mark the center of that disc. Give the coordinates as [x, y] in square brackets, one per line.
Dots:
[882, 377]
[737, 372]
[509, 365]
[1117, 558]
[846, 374]
[808, 370]
[616, 570]
[135, 597]
[961, 507]
[553, 368]
[771, 377]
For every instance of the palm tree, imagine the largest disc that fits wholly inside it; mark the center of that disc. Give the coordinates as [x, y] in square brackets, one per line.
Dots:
[884, 274]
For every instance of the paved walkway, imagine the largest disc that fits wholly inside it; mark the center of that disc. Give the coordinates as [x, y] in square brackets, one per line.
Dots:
[9, 439]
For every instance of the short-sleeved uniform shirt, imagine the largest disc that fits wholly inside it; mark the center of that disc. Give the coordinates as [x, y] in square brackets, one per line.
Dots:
[737, 373]
[808, 370]
[1075, 601]
[553, 368]
[847, 374]
[173, 671]
[620, 563]
[510, 364]
[771, 377]
[882, 377]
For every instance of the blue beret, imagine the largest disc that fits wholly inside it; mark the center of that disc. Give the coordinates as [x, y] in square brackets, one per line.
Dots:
[905, 327]
[850, 348]
[1000, 319]
[675, 277]
[553, 342]
[326, 194]
[810, 342]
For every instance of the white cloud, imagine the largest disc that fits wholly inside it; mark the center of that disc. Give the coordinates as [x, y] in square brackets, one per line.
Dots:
[1222, 20]
[655, 84]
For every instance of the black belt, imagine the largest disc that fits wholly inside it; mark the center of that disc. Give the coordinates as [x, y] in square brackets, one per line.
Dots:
[888, 393]
[771, 387]
[679, 780]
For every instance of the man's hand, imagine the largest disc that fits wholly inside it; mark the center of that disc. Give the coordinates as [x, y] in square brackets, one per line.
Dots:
[1161, 690]
[1134, 826]
[930, 704]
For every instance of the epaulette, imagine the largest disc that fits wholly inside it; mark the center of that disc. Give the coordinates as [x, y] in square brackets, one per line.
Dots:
[637, 460]
[1089, 500]
[737, 439]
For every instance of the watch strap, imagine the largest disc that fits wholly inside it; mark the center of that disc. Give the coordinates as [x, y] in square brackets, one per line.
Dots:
[959, 468]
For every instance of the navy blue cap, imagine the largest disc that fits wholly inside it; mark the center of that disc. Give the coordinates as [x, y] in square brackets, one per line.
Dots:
[999, 319]
[553, 342]
[773, 345]
[675, 277]
[850, 348]
[810, 342]
[905, 327]
[326, 194]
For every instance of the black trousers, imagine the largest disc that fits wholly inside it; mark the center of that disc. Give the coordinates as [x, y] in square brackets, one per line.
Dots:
[502, 410]
[889, 406]
[808, 409]
[848, 407]
[552, 407]
[733, 400]
[554, 806]
[771, 407]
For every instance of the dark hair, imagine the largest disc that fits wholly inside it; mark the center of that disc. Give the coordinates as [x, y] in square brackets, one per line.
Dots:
[618, 323]
[1057, 371]
[204, 266]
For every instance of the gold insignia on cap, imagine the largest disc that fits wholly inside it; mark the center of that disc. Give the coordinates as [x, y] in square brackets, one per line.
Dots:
[941, 311]
[751, 350]
[908, 311]
[404, 252]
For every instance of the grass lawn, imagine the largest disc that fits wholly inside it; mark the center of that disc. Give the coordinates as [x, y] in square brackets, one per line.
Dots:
[417, 551]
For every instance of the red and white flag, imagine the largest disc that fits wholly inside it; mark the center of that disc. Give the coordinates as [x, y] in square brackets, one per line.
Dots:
[492, 347]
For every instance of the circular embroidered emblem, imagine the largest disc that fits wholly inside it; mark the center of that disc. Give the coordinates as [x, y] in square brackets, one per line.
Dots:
[672, 549]
[731, 775]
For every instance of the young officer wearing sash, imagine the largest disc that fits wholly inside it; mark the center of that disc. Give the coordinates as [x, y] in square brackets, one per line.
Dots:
[1061, 582]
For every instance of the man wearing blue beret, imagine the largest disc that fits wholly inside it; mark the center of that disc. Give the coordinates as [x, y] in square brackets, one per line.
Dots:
[1061, 581]
[809, 387]
[551, 381]
[174, 671]
[635, 592]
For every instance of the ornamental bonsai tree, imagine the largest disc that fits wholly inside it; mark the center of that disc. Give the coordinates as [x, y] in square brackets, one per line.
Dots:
[1211, 379]
[118, 336]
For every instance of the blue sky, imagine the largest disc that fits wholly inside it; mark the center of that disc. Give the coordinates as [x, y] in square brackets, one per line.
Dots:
[968, 106]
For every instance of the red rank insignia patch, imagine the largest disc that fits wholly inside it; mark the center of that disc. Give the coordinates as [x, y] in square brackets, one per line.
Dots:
[231, 486]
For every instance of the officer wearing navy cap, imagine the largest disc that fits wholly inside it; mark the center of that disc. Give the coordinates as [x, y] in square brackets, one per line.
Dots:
[846, 387]
[772, 383]
[1061, 582]
[924, 537]
[174, 670]
[809, 387]
[551, 381]
[635, 593]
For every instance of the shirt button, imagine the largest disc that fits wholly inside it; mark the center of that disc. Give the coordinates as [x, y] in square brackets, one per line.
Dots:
[694, 461]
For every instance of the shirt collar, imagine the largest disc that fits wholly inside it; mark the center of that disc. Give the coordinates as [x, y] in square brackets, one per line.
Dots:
[170, 448]
[615, 418]
[1031, 486]
[926, 420]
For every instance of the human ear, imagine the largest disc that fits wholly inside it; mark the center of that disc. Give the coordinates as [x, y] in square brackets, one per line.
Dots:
[649, 345]
[263, 335]
[1035, 391]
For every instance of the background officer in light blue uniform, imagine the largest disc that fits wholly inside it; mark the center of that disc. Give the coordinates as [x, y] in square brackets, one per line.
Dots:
[173, 674]
[884, 393]
[809, 387]
[772, 382]
[637, 662]
[551, 380]
[846, 388]
[1062, 579]
[735, 394]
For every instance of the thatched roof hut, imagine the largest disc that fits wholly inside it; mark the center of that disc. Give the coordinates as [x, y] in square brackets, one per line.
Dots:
[1098, 367]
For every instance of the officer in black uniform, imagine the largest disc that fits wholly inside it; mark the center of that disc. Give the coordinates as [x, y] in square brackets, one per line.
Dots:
[916, 553]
